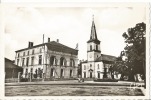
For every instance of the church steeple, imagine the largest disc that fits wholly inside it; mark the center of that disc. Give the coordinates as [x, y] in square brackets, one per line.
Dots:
[93, 36]
[93, 45]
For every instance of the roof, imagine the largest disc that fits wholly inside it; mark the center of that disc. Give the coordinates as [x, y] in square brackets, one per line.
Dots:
[55, 46]
[106, 58]
[31, 47]
[93, 36]
[10, 64]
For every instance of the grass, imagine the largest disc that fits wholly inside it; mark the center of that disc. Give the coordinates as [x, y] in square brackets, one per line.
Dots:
[69, 90]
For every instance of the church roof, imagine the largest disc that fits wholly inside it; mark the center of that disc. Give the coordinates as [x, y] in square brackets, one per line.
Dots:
[106, 58]
[54, 46]
[93, 36]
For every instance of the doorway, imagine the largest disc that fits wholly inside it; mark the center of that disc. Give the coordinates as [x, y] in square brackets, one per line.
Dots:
[90, 74]
[98, 75]
[61, 73]
[84, 74]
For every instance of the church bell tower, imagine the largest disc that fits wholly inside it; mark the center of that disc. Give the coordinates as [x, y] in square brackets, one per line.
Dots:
[93, 45]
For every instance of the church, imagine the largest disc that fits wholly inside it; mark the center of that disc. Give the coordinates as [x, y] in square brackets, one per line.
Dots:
[97, 65]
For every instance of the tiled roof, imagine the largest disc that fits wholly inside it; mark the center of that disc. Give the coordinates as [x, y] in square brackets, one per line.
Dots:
[106, 58]
[10, 64]
[31, 47]
[55, 46]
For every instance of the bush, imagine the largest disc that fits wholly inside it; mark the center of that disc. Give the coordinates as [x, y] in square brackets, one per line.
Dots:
[105, 80]
[24, 80]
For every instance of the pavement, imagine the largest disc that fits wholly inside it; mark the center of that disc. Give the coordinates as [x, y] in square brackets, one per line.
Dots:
[73, 82]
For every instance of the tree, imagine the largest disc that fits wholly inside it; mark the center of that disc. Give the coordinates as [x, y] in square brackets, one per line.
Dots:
[121, 67]
[135, 48]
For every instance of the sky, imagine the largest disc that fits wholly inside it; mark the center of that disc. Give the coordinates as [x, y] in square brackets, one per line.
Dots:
[71, 25]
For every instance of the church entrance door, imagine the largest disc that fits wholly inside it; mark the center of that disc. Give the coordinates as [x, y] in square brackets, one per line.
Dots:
[84, 74]
[98, 75]
[90, 74]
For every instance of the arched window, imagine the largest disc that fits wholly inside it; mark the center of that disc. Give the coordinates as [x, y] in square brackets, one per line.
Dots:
[90, 47]
[72, 63]
[62, 61]
[53, 60]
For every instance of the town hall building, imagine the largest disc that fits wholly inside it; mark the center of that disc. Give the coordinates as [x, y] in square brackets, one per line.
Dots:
[97, 65]
[48, 61]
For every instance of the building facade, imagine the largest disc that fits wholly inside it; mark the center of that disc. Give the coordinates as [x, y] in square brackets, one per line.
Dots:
[48, 60]
[97, 65]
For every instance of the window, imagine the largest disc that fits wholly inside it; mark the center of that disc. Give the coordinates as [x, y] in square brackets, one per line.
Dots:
[90, 47]
[98, 66]
[62, 61]
[33, 51]
[52, 72]
[53, 60]
[70, 73]
[96, 47]
[24, 54]
[17, 61]
[40, 59]
[84, 67]
[23, 61]
[90, 66]
[18, 54]
[28, 53]
[71, 62]
[27, 61]
[32, 60]
[40, 50]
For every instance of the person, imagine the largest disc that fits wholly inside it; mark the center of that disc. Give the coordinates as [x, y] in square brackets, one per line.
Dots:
[80, 80]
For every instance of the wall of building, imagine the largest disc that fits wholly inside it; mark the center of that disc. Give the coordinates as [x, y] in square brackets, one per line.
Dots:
[99, 70]
[86, 69]
[66, 68]
[45, 64]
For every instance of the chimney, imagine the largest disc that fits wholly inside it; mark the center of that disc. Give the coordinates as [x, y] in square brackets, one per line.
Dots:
[58, 40]
[29, 44]
[48, 40]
